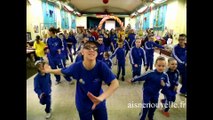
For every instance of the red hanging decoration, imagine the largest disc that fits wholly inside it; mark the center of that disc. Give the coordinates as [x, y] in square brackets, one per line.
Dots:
[105, 1]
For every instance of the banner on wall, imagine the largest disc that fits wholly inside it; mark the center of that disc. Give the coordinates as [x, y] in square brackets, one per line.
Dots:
[146, 20]
[49, 15]
[159, 18]
[138, 22]
[64, 20]
[73, 19]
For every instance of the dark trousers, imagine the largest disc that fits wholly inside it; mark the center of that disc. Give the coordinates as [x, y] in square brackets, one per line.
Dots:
[168, 101]
[46, 100]
[121, 66]
[149, 105]
[54, 63]
[98, 114]
[149, 62]
[182, 70]
[136, 71]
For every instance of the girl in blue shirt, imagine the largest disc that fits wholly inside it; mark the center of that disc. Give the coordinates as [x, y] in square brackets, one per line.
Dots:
[54, 44]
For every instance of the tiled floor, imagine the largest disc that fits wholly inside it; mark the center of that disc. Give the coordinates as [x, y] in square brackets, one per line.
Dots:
[118, 105]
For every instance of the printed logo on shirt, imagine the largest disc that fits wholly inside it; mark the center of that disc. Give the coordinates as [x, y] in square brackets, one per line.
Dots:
[55, 44]
[162, 78]
[96, 80]
[176, 75]
[82, 81]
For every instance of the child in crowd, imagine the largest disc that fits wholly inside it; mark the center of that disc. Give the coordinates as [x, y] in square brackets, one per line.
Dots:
[179, 52]
[120, 55]
[154, 81]
[137, 54]
[39, 46]
[42, 87]
[54, 44]
[170, 93]
[149, 48]
[100, 48]
[107, 60]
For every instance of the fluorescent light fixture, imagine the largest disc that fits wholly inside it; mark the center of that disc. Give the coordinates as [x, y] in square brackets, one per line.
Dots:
[152, 5]
[142, 9]
[69, 8]
[133, 14]
[159, 1]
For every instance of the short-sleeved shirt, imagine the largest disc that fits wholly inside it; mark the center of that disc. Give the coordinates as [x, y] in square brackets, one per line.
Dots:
[89, 81]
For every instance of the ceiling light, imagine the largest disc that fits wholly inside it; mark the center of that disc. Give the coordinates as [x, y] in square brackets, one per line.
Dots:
[142, 9]
[159, 1]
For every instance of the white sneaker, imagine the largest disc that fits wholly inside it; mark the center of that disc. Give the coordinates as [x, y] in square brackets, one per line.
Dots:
[48, 115]
[57, 82]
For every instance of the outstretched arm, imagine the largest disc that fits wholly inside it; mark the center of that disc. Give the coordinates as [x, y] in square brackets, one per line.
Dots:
[47, 69]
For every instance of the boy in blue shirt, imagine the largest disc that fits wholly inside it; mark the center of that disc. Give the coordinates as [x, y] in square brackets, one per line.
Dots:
[179, 52]
[170, 93]
[137, 54]
[154, 81]
[120, 55]
[149, 48]
[90, 98]
[42, 87]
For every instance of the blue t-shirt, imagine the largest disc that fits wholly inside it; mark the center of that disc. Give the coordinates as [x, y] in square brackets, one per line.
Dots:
[89, 81]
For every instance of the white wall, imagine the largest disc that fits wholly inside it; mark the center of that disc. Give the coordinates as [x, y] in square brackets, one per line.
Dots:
[34, 16]
[176, 17]
[81, 21]
[130, 21]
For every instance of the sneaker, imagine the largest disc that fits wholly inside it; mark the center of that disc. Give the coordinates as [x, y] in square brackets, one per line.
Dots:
[48, 115]
[182, 94]
[162, 101]
[165, 113]
[57, 82]
[122, 78]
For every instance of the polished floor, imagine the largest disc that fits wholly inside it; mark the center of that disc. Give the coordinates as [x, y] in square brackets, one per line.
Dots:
[124, 104]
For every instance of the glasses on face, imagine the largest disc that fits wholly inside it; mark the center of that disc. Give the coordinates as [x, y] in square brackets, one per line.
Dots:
[94, 48]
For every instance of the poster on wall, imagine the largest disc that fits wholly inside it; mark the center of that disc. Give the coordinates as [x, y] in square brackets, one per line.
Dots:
[64, 20]
[35, 28]
[28, 36]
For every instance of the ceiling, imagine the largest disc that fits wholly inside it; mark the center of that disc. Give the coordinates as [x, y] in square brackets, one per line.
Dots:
[122, 7]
